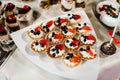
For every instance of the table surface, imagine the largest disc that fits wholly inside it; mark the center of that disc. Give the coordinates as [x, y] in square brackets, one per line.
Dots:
[19, 68]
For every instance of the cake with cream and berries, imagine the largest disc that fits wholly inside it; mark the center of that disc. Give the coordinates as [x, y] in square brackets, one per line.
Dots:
[80, 3]
[35, 33]
[40, 45]
[87, 52]
[2, 30]
[72, 43]
[68, 31]
[74, 18]
[82, 27]
[87, 39]
[48, 26]
[71, 59]
[60, 21]
[67, 5]
[108, 11]
[56, 51]
[12, 23]
[55, 37]
[10, 9]
[25, 13]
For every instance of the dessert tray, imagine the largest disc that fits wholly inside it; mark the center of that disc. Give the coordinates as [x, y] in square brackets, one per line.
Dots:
[88, 69]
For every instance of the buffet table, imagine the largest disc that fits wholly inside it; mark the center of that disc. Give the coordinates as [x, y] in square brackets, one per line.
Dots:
[20, 68]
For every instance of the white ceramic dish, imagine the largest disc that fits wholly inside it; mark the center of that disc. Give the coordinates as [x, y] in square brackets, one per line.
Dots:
[87, 70]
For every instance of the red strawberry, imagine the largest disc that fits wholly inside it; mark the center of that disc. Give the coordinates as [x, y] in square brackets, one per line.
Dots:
[58, 36]
[90, 52]
[75, 43]
[37, 28]
[49, 23]
[86, 28]
[10, 4]
[44, 41]
[91, 37]
[26, 7]
[11, 18]
[62, 20]
[75, 59]
[71, 30]
[60, 46]
[76, 16]
[2, 29]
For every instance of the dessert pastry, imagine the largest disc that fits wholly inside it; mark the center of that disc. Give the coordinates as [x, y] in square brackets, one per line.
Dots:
[25, 13]
[1, 19]
[87, 52]
[60, 21]
[72, 43]
[47, 26]
[40, 45]
[108, 11]
[88, 39]
[68, 31]
[35, 33]
[74, 18]
[71, 59]
[10, 9]
[80, 3]
[55, 37]
[108, 49]
[12, 23]
[82, 27]
[2, 30]
[56, 51]
[52, 2]
[67, 5]
[45, 4]
[27, 0]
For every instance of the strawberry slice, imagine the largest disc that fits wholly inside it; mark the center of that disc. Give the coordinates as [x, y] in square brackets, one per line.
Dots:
[62, 20]
[75, 43]
[91, 37]
[76, 16]
[75, 59]
[60, 46]
[86, 28]
[58, 36]
[49, 23]
[44, 41]
[37, 28]
[90, 52]
[71, 30]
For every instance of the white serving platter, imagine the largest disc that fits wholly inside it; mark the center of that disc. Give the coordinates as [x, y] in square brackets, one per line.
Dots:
[86, 71]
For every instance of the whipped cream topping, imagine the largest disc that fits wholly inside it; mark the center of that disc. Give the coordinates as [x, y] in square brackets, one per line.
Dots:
[72, 20]
[68, 42]
[33, 34]
[39, 47]
[68, 62]
[68, 4]
[86, 41]
[53, 51]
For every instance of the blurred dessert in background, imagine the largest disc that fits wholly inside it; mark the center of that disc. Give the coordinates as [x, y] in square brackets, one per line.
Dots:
[45, 4]
[12, 23]
[10, 9]
[52, 2]
[80, 3]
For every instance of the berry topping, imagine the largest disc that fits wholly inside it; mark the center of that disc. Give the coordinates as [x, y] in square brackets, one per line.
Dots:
[75, 59]
[60, 46]
[90, 52]
[75, 42]
[44, 42]
[11, 19]
[76, 16]
[2, 28]
[91, 37]
[86, 28]
[26, 7]
[37, 29]
[49, 23]
[62, 20]
[10, 5]
[71, 30]
[58, 36]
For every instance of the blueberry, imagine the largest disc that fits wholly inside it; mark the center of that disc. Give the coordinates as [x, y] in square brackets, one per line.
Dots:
[84, 40]
[34, 33]
[70, 17]
[44, 27]
[65, 31]
[50, 39]
[81, 49]
[73, 38]
[53, 49]
[36, 43]
[67, 57]
[77, 28]
[79, 24]
[88, 48]
[38, 32]
[53, 34]
[71, 44]
[31, 31]
[42, 45]
[70, 55]
[57, 51]
[67, 41]
[58, 18]
[53, 54]
[47, 30]
[68, 14]
[85, 24]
